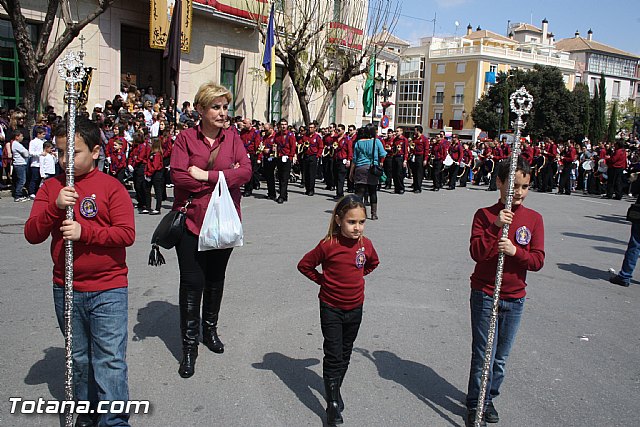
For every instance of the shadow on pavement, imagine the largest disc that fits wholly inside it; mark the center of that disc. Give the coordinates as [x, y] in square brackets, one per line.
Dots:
[296, 375]
[422, 381]
[160, 319]
[584, 271]
[594, 237]
[609, 250]
[50, 371]
[618, 219]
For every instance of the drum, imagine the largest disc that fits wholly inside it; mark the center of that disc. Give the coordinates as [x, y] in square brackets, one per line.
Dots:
[602, 165]
[448, 161]
[587, 165]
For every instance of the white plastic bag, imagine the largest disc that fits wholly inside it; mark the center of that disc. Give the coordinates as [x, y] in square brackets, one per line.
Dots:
[221, 227]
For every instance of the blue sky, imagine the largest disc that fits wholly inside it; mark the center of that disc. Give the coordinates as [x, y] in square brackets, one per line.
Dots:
[614, 22]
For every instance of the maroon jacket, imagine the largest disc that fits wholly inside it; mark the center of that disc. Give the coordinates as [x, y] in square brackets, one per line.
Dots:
[421, 146]
[618, 160]
[315, 144]
[286, 144]
[344, 262]
[527, 234]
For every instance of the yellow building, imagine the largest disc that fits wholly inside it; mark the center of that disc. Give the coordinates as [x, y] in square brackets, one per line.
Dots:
[457, 71]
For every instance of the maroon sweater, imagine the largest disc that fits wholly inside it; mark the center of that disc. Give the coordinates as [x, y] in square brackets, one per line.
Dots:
[99, 256]
[484, 250]
[344, 262]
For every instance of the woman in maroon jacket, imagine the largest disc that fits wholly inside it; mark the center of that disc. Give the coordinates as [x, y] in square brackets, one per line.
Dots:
[198, 155]
[616, 163]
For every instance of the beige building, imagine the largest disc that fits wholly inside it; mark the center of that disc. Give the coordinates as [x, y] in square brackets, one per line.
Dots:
[225, 47]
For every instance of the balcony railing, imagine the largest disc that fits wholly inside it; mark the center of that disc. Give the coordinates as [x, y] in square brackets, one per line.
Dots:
[438, 98]
[503, 52]
[458, 99]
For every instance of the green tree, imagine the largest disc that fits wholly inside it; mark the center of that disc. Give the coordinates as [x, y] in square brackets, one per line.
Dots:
[553, 114]
[613, 123]
[597, 128]
[582, 102]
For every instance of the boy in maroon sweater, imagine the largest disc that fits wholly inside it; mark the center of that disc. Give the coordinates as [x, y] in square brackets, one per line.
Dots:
[524, 251]
[102, 228]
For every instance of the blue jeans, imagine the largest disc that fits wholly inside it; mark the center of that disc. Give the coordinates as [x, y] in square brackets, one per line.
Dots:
[21, 179]
[509, 314]
[632, 253]
[35, 180]
[99, 347]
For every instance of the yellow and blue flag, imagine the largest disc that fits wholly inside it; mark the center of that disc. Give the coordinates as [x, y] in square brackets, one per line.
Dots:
[268, 62]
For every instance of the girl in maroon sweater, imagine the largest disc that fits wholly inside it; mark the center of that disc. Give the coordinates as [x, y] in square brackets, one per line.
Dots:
[346, 257]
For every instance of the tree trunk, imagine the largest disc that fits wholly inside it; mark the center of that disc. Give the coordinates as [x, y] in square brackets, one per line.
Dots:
[301, 94]
[32, 93]
[328, 97]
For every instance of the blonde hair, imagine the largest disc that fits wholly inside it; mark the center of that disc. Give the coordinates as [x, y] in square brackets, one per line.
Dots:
[208, 92]
[343, 206]
[156, 145]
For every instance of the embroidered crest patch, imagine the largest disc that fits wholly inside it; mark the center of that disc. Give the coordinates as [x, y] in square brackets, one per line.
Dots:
[361, 258]
[89, 207]
[523, 235]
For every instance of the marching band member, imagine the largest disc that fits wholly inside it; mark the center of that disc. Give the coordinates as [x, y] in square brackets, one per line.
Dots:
[400, 156]
[439, 153]
[467, 161]
[268, 159]
[352, 136]
[456, 151]
[341, 160]
[327, 156]
[388, 160]
[314, 147]
[138, 157]
[569, 156]
[251, 139]
[616, 163]
[421, 153]
[286, 146]
[497, 156]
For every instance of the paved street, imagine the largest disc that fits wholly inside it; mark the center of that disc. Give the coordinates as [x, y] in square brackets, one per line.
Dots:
[576, 361]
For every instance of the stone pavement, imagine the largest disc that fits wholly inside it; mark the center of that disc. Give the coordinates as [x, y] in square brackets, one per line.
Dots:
[576, 360]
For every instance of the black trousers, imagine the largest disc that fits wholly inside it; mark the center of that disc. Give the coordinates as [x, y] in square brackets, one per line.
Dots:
[252, 183]
[546, 177]
[140, 186]
[200, 273]
[327, 171]
[284, 172]
[339, 329]
[387, 165]
[565, 179]
[614, 182]
[397, 170]
[157, 182]
[339, 175]
[268, 171]
[309, 168]
[418, 172]
[453, 175]
[465, 177]
[437, 174]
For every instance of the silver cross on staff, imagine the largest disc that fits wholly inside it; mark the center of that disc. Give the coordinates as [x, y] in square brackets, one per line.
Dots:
[521, 104]
[71, 70]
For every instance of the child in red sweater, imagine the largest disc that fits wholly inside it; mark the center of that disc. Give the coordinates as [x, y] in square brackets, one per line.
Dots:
[346, 257]
[102, 228]
[524, 251]
[154, 175]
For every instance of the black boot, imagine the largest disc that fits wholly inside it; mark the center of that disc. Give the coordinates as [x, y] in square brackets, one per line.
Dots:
[340, 401]
[332, 391]
[211, 299]
[190, 329]
[87, 420]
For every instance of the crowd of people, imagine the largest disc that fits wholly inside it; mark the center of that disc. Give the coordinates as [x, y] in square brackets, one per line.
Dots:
[138, 130]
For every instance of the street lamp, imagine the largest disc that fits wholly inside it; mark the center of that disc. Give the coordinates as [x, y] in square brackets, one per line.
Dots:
[385, 86]
[500, 111]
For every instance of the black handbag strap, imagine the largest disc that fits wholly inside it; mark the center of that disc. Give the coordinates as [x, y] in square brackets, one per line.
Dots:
[373, 152]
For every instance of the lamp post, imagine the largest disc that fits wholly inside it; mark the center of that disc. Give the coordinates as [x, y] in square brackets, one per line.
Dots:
[500, 111]
[385, 86]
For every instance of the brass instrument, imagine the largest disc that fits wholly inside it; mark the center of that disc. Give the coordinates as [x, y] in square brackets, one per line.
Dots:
[260, 147]
[333, 148]
[326, 151]
[412, 145]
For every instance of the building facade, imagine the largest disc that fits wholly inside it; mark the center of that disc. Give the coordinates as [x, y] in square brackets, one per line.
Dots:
[225, 47]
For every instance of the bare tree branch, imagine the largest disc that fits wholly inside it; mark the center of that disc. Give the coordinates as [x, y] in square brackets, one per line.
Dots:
[47, 26]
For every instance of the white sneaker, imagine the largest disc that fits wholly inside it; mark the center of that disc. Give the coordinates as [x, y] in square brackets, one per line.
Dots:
[32, 196]
[612, 273]
[144, 211]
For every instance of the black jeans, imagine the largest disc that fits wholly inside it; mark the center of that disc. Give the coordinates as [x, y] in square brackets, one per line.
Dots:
[268, 171]
[418, 172]
[339, 174]
[397, 169]
[284, 171]
[614, 182]
[565, 179]
[387, 165]
[453, 175]
[310, 167]
[339, 329]
[327, 171]
[437, 174]
[139, 184]
[157, 182]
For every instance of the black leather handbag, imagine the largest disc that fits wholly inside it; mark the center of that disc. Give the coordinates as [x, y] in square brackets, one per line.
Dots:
[375, 169]
[167, 234]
